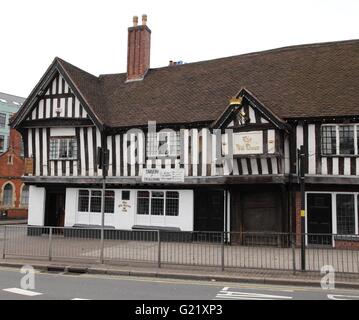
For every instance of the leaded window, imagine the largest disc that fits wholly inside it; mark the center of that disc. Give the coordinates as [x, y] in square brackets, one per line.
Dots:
[340, 139]
[346, 139]
[329, 140]
[163, 144]
[63, 148]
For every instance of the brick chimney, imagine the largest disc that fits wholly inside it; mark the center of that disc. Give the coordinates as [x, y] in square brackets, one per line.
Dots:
[138, 50]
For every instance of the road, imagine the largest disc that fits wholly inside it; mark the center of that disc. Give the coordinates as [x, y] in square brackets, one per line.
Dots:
[60, 286]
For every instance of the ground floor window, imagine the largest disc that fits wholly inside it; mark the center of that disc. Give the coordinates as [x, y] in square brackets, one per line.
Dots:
[8, 195]
[25, 196]
[158, 203]
[345, 214]
[91, 201]
[333, 212]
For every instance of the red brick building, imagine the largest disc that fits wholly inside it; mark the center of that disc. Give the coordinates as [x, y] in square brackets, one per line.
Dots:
[14, 194]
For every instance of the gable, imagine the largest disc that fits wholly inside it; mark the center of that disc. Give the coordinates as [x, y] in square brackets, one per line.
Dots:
[248, 112]
[58, 101]
[243, 116]
[55, 98]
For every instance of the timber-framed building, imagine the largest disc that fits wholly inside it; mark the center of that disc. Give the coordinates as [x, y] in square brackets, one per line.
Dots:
[179, 172]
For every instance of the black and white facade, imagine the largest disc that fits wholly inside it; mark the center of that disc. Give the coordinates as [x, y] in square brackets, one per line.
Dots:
[236, 172]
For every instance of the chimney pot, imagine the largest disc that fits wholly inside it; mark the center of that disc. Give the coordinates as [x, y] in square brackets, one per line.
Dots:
[135, 21]
[144, 19]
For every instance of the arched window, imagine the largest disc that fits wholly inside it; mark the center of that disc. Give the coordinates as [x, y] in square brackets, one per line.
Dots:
[8, 194]
[25, 196]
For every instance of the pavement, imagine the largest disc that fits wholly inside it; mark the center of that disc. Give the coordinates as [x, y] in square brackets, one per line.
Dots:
[195, 253]
[56, 285]
[185, 261]
[12, 222]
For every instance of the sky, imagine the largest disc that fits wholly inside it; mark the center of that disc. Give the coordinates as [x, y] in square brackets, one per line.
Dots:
[92, 34]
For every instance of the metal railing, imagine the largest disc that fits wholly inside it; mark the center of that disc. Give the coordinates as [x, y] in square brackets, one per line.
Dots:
[224, 250]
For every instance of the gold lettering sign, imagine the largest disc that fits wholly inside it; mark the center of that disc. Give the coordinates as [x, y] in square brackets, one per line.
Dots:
[29, 166]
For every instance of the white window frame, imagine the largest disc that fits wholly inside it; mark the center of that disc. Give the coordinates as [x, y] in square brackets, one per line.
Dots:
[164, 203]
[22, 204]
[334, 211]
[337, 138]
[89, 203]
[74, 157]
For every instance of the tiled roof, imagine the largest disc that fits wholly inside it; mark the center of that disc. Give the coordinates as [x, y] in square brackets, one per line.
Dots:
[301, 81]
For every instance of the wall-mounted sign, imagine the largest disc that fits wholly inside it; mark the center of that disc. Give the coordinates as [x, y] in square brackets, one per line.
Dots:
[163, 175]
[124, 206]
[29, 166]
[248, 142]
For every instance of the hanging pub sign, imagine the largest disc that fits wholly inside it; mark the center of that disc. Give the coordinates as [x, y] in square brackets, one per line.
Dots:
[29, 166]
[248, 142]
[163, 175]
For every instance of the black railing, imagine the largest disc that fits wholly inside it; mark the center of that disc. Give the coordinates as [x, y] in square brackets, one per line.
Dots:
[224, 250]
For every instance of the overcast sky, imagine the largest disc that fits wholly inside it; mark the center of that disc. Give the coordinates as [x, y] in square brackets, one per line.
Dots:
[92, 34]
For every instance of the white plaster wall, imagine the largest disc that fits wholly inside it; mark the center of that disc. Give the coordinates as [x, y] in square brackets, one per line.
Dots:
[184, 220]
[36, 210]
[61, 132]
[125, 216]
[70, 207]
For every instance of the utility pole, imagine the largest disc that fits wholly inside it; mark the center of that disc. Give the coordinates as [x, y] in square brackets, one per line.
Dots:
[103, 155]
[301, 157]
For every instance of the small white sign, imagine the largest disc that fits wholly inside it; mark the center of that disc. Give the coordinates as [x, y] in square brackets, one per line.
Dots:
[248, 142]
[163, 175]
